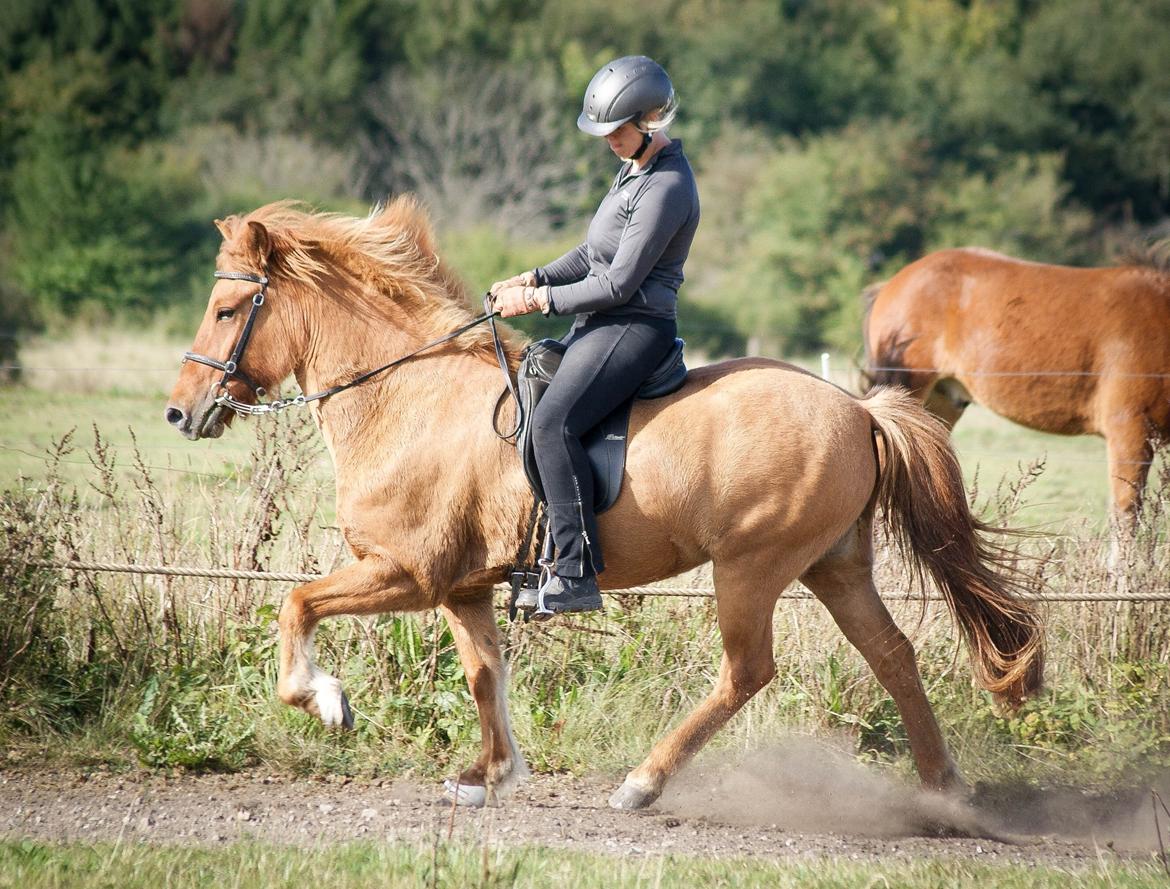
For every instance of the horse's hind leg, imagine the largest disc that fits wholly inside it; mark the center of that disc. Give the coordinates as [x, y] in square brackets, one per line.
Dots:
[500, 764]
[369, 586]
[843, 581]
[746, 595]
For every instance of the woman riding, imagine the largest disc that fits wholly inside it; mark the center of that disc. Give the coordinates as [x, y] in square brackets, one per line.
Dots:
[622, 285]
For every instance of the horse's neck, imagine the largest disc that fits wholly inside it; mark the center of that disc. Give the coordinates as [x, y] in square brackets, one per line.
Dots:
[407, 413]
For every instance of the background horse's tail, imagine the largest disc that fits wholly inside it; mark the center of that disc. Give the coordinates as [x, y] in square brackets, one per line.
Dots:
[868, 297]
[921, 491]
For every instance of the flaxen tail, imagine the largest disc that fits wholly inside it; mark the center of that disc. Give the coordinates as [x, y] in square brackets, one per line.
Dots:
[921, 491]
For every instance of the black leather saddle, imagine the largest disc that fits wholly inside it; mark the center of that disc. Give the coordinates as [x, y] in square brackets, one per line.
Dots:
[605, 443]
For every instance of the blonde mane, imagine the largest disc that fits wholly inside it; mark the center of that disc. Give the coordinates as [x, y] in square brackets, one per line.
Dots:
[392, 250]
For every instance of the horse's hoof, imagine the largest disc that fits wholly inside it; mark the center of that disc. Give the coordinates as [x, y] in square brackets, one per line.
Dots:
[332, 704]
[471, 795]
[630, 797]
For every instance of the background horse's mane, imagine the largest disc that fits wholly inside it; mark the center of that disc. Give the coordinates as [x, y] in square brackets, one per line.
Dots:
[392, 250]
[1150, 254]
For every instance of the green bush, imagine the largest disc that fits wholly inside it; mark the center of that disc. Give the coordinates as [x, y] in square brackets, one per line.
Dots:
[114, 230]
[828, 215]
[180, 723]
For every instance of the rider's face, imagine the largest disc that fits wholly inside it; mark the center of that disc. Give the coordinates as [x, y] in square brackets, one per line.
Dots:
[625, 140]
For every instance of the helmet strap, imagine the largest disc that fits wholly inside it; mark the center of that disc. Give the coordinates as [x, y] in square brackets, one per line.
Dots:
[647, 138]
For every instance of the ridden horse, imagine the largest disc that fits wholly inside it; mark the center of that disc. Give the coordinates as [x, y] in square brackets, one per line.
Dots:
[1065, 350]
[765, 470]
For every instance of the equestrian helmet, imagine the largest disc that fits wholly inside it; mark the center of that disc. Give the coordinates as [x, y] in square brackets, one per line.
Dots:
[623, 90]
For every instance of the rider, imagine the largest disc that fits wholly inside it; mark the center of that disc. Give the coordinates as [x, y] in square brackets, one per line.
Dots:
[622, 285]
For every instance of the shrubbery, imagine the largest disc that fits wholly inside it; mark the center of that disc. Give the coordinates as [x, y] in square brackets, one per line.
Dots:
[836, 140]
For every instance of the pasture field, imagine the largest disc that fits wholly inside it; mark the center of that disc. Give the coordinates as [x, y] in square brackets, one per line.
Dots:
[118, 380]
[170, 675]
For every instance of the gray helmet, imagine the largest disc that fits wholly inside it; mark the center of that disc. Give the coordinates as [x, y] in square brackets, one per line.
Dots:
[623, 90]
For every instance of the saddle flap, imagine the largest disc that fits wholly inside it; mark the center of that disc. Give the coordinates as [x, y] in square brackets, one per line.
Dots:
[605, 444]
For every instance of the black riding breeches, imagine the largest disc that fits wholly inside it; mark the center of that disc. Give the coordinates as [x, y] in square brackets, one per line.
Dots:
[607, 359]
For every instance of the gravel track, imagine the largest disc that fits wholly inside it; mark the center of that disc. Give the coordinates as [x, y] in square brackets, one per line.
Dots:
[709, 816]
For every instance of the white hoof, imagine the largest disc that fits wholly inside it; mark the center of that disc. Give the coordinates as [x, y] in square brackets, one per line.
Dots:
[465, 794]
[331, 702]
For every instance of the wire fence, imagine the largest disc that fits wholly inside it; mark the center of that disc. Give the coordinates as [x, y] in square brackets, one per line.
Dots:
[827, 370]
[683, 592]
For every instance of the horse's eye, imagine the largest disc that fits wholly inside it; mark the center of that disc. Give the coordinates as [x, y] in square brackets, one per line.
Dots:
[224, 314]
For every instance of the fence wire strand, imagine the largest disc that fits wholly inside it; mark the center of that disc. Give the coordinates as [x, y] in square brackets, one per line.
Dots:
[640, 591]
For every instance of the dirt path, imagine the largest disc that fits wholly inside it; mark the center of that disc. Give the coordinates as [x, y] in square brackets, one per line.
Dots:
[710, 819]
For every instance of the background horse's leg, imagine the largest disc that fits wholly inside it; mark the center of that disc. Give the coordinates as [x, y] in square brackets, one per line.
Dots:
[843, 581]
[369, 586]
[1130, 453]
[746, 596]
[500, 764]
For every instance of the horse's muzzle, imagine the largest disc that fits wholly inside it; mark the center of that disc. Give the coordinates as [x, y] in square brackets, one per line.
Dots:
[206, 421]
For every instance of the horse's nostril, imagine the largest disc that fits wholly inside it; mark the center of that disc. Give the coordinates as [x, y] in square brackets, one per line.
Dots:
[175, 416]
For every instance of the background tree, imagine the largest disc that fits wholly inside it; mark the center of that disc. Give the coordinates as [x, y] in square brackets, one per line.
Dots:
[835, 140]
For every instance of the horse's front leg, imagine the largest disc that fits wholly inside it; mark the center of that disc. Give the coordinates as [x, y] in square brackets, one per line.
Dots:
[369, 586]
[500, 764]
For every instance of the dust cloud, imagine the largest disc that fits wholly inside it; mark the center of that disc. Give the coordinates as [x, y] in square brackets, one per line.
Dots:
[811, 787]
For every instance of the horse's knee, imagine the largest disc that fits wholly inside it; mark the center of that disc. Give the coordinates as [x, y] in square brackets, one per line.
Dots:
[745, 678]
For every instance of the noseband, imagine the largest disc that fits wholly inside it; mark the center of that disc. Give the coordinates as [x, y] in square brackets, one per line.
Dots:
[231, 367]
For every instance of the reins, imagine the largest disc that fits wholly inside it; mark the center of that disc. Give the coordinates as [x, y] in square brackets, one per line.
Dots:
[231, 367]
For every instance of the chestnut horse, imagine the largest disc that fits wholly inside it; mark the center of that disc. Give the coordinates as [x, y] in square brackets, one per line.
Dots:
[1058, 349]
[761, 468]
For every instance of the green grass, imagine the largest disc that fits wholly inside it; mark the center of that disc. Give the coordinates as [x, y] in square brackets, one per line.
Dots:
[34, 419]
[1073, 487]
[32, 865]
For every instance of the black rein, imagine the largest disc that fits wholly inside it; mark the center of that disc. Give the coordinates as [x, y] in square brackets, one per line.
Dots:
[231, 368]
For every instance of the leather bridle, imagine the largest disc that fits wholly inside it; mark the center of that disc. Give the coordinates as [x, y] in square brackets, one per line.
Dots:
[231, 368]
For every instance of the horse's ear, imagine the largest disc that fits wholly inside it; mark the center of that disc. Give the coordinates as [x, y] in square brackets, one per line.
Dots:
[259, 242]
[227, 226]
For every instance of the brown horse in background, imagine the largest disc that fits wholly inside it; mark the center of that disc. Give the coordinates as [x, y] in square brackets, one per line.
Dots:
[757, 466]
[1065, 350]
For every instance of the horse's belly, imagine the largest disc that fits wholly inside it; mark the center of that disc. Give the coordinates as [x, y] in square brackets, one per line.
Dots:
[764, 457]
[1044, 404]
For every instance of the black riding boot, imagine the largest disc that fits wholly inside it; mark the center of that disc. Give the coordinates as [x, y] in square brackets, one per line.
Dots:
[572, 586]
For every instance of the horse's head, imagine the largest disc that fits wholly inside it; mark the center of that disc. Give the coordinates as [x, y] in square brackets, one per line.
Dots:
[241, 348]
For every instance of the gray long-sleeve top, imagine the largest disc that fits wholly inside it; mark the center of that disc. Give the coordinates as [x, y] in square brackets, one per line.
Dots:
[632, 260]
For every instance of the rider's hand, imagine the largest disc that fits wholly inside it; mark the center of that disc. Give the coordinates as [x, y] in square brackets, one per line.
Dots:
[510, 300]
[524, 279]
